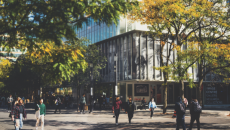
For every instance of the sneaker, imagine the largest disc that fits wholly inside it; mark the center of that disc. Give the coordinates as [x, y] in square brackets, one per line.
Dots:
[36, 128]
[116, 123]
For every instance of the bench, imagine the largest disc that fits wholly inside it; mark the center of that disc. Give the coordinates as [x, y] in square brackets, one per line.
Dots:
[139, 104]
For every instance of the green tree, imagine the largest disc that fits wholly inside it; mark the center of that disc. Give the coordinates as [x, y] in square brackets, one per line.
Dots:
[27, 22]
[82, 78]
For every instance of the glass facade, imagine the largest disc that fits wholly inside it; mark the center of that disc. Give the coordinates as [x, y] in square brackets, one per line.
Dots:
[96, 32]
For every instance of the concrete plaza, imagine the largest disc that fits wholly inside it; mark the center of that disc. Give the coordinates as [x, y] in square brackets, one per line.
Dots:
[70, 119]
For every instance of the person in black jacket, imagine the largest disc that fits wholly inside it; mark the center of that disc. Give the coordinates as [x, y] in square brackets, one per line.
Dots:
[130, 109]
[195, 113]
[180, 111]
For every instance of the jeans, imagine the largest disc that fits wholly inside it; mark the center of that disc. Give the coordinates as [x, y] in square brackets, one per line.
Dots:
[18, 123]
[82, 107]
[130, 116]
[117, 112]
[194, 117]
[42, 122]
[143, 105]
[152, 110]
[180, 121]
[9, 106]
[58, 107]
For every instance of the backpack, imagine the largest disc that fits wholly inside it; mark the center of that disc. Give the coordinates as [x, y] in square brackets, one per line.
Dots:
[197, 107]
[182, 108]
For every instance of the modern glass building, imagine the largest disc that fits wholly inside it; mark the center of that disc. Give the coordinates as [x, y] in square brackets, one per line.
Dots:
[137, 53]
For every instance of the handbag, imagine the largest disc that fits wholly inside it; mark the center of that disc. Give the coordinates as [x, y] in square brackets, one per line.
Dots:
[37, 114]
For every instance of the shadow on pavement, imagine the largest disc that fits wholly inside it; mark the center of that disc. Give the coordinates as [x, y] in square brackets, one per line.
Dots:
[135, 126]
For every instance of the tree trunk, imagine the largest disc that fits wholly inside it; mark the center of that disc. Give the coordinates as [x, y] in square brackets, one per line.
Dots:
[199, 91]
[165, 96]
[182, 89]
[200, 82]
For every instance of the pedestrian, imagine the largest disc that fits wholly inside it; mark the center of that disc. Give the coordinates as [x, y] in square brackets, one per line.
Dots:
[3, 99]
[18, 114]
[100, 100]
[195, 110]
[41, 107]
[10, 101]
[66, 101]
[152, 106]
[104, 100]
[116, 108]
[71, 101]
[58, 105]
[107, 101]
[180, 111]
[143, 103]
[82, 104]
[14, 106]
[130, 109]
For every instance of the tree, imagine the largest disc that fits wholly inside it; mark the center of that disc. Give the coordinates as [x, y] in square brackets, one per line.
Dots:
[56, 63]
[82, 78]
[27, 22]
[5, 69]
[184, 20]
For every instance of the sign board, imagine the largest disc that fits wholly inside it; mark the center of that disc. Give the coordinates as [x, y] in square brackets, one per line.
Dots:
[141, 89]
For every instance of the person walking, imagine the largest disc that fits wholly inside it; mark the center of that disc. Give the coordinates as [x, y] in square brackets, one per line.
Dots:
[10, 101]
[58, 105]
[82, 104]
[107, 101]
[116, 108]
[180, 111]
[195, 110]
[3, 99]
[66, 101]
[42, 112]
[130, 109]
[152, 106]
[100, 101]
[143, 103]
[17, 114]
[104, 101]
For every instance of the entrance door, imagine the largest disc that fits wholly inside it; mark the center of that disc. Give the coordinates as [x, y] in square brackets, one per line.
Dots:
[130, 91]
[159, 88]
[153, 91]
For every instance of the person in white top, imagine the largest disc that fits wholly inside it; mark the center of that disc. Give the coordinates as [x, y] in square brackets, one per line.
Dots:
[152, 106]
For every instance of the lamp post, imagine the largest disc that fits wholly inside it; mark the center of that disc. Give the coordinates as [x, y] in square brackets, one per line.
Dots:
[91, 88]
[115, 72]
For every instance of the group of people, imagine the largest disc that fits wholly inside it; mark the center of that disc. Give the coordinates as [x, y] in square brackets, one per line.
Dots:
[129, 108]
[18, 112]
[180, 109]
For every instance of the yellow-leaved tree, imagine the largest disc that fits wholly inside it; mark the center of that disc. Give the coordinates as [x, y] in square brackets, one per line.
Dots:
[177, 22]
[55, 63]
[5, 68]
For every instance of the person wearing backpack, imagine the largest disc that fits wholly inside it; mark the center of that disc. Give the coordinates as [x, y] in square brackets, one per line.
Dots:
[130, 109]
[195, 110]
[152, 106]
[180, 111]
